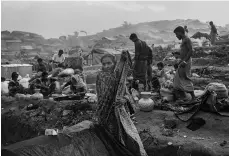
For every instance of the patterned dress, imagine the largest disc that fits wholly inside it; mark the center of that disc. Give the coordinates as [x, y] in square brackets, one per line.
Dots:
[111, 112]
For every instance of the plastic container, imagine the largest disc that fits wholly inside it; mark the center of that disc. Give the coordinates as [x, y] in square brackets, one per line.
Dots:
[25, 81]
[37, 95]
[22, 69]
[219, 88]
[51, 132]
[4, 87]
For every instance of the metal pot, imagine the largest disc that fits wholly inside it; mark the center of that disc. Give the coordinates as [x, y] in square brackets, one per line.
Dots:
[146, 104]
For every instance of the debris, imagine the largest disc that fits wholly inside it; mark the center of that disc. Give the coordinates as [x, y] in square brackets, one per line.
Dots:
[51, 132]
[195, 75]
[197, 138]
[170, 143]
[167, 132]
[66, 112]
[170, 123]
[223, 143]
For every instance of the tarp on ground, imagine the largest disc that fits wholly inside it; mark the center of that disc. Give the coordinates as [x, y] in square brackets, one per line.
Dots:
[78, 140]
[99, 52]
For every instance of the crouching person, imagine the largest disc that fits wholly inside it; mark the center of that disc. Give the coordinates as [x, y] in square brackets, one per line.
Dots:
[76, 85]
[42, 84]
[14, 86]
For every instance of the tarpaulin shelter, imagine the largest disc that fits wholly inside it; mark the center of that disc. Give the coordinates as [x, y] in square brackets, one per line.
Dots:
[96, 54]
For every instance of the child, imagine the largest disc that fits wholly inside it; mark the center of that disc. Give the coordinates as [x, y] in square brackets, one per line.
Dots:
[173, 72]
[158, 77]
[161, 72]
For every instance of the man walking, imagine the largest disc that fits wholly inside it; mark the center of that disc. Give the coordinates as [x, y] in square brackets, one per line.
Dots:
[142, 61]
[182, 82]
[213, 33]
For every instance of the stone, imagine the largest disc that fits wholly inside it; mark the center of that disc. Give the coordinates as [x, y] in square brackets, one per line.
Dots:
[66, 112]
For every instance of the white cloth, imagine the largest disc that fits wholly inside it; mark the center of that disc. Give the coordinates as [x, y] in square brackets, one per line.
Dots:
[60, 59]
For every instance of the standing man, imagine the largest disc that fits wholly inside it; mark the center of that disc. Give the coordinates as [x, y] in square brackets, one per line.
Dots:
[75, 60]
[142, 61]
[186, 30]
[182, 82]
[58, 59]
[213, 32]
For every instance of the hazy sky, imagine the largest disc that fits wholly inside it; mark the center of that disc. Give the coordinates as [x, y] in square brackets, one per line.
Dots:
[55, 18]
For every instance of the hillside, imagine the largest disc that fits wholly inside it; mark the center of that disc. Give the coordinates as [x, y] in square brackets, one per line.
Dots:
[157, 32]
[160, 31]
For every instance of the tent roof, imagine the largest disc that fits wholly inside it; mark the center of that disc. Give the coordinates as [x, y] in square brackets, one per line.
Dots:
[105, 51]
[108, 51]
[110, 38]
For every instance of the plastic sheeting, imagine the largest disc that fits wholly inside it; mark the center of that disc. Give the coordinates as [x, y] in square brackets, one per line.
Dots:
[78, 140]
[84, 143]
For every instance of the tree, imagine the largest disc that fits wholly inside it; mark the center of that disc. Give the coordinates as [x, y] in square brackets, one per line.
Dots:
[76, 34]
[63, 38]
[126, 24]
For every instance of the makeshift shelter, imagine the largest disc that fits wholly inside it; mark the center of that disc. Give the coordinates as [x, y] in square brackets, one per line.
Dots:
[99, 52]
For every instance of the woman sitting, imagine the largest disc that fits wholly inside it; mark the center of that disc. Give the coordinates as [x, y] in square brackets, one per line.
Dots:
[112, 112]
[76, 85]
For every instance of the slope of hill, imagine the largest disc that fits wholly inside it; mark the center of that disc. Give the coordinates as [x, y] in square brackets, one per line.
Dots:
[157, 32]
[160, 29]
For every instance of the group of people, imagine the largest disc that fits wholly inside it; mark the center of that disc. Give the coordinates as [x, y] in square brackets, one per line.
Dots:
[142, 68]
[115, 103]
[49, 85]
[213, 32]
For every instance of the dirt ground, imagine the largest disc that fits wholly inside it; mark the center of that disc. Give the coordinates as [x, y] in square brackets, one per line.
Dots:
[204, 141]
[184, 142]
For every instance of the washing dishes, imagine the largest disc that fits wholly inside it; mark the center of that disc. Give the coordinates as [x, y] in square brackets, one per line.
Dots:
[75, 84]
[42, 83]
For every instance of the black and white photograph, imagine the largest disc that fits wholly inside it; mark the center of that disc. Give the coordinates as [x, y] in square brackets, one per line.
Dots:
[114, 78]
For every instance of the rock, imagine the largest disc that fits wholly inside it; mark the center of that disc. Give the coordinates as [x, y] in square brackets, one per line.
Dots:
[167, 132]
[66, 112]
[170, 123]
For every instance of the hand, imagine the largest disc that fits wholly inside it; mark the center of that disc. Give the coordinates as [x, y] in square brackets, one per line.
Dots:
[182, 64]
[120, 101]
[62, 89]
